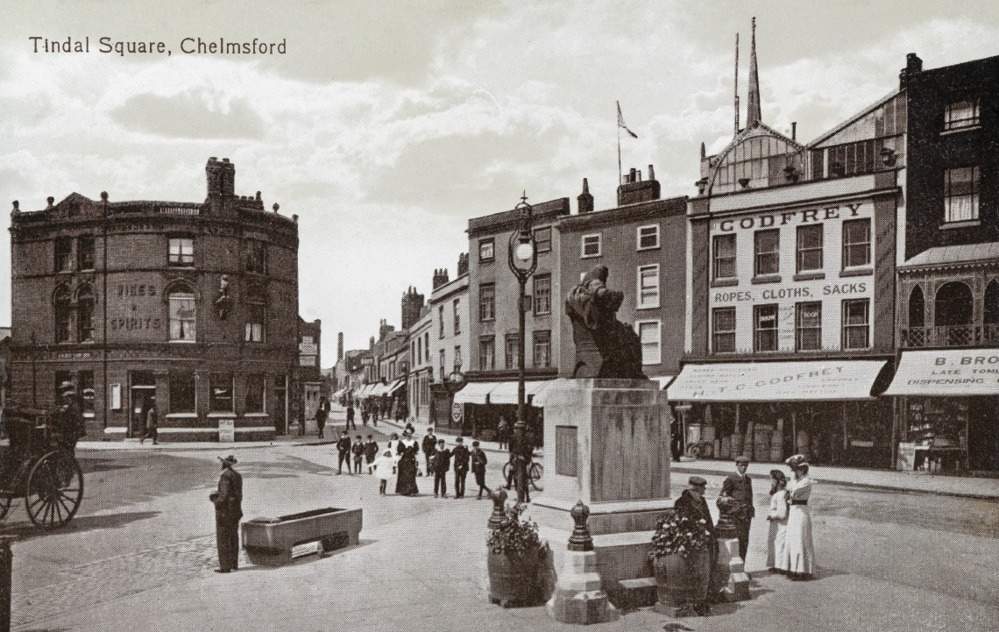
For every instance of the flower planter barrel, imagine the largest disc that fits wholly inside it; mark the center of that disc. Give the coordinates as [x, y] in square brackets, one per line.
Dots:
[269, 541]
[683, 580]
[515, 581]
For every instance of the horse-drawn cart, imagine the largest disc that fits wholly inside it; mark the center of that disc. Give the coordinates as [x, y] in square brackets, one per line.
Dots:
[37, 464]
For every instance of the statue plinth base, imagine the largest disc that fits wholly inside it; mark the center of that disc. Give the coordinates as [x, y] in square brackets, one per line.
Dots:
[606, 444]
[731, 570]
[578, 596]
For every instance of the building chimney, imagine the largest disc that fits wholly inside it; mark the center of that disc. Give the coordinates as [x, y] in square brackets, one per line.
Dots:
[652, 173]
[913, 66]
[339, 346]
[440, 277]
[585, 200]
[794, 130]
[634, 190]
[463, 263]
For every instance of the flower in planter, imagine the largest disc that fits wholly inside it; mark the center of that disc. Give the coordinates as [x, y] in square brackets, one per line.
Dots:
[679, 534]
[515, 537]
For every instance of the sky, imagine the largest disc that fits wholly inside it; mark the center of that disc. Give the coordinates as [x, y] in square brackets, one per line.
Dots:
[385, 126]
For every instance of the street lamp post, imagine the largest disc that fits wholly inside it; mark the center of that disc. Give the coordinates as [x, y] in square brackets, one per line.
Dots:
[522, 257]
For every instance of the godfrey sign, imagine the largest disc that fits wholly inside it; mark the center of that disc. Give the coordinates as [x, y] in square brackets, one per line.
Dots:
[946, 372]
[776, 381]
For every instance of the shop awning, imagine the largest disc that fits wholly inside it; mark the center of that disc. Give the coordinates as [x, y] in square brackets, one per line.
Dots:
[395, 386]
[945, 372]
[474, 393]
[776, 381]
[662, 379]
[506, 392]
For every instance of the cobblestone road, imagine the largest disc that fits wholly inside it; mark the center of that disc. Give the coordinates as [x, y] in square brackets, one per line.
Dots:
[101, 581]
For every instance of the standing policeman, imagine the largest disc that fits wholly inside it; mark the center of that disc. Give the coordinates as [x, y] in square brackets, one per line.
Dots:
[228, 502]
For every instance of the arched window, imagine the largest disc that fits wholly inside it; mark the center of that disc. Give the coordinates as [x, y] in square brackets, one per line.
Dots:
[917, 307]
[954, 305]
[62, 306]
[183, 314]
[991, 315]
[256, 314]
[85, 314]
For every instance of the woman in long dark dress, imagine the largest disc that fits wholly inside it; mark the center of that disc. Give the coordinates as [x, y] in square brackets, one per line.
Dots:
[406, 481]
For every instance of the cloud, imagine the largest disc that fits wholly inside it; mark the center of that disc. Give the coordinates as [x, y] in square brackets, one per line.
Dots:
[188, 116]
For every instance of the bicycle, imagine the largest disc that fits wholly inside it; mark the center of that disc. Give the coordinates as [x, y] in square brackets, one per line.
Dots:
[534, 473]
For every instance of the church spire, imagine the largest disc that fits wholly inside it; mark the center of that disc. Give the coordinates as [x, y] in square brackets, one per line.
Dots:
[753, 115]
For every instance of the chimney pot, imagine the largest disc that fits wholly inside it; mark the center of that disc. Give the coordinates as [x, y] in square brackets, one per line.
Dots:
[50, 200]
[652, 174]
[17, 207]
[794, 130]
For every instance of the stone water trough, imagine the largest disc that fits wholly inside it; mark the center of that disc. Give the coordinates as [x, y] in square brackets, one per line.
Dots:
[269, 541]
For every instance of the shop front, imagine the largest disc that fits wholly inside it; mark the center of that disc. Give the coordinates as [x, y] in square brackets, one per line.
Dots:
[478, 407]
[825, 409]
[948, 410]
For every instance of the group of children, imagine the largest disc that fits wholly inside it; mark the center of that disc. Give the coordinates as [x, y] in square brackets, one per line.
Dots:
[359, 450]
[438, 463]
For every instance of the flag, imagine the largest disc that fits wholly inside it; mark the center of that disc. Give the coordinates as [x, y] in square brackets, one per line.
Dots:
[620, 121]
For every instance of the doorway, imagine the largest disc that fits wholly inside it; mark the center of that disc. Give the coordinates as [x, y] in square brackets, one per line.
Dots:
[143, 389]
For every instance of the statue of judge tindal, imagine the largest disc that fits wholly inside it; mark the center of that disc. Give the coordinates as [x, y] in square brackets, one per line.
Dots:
[605, 347]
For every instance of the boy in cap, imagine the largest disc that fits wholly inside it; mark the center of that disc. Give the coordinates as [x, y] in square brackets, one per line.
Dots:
[461, 456]
[429, 446]
[343, 452]
[358, 451]
[370, 452]
[738, 490]
[441, 463]
[479, 461]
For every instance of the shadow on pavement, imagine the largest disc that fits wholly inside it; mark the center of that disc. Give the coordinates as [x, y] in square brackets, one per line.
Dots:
[27, 530]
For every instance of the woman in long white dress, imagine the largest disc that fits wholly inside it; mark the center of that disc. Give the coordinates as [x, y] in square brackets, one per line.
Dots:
[777, 517]
[799, 553]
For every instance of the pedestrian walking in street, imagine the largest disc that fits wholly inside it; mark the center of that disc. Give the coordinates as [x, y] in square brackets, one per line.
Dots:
[738, 489]
[384, 467]
[343, 452]
[322, 412]
[479, 461]
[799, 551]
[393, 447]
[228, 501]
[152, 422]
[406, 481]
[365, 411]
[521, 453]
[461, 456]
[429, 446]
[501, 434]
[370, 452]
[350, 417]
[357, 449]
[777, 517]
[441, 460]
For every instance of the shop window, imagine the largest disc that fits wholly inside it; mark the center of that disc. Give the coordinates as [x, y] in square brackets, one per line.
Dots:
[766, 251]
[542, 294]
[650, 337]
[487, 354]
[765, 328]
[183, 315]
[85, 253]
[487, 302]
[961, 194]
[487, 249]
[856, 324]
[809, 248]
[457, 316]
[182, 392]
[512, 345]
[590, 245]
[723, 330]
[917, 307]
[961, 115]
[256, 316]
[63, 254]
[723, 264]
[542, 349]
[543, 239]
[220, 389]
[256, 256]
[648, 286]
[181, 251]
[86, 383]
[648, 237]
[62, 307]
[856, 243]
[808, 326]
[85, 314]
[255, 393]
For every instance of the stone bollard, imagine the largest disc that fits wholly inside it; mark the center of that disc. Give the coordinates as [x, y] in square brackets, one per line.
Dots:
[6, 563]
[498, 496]
[731, 571]
[579, 597]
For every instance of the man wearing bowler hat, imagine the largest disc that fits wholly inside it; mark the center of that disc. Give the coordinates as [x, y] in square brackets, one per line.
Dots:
[737, 489]
[228, 502]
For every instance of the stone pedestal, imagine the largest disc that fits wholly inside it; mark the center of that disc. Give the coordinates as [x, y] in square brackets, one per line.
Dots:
[732, 571]
[607, 445]
[578, 596]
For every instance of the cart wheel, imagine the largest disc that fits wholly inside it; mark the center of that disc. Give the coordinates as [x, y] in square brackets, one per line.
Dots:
[55, 489]
[4, 505]
[536, 472]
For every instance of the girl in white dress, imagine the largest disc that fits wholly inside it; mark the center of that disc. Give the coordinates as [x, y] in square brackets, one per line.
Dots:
[799, 553]
[777, 518]
[384, 466]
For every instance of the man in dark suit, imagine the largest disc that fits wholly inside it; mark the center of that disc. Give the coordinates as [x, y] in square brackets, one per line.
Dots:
[738, 489]
[461, 456]
[441, 463]
[429, 446]
[228, 501]
[343, 452]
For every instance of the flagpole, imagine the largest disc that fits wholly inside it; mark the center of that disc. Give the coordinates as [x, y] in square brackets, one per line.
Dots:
[619, 174]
